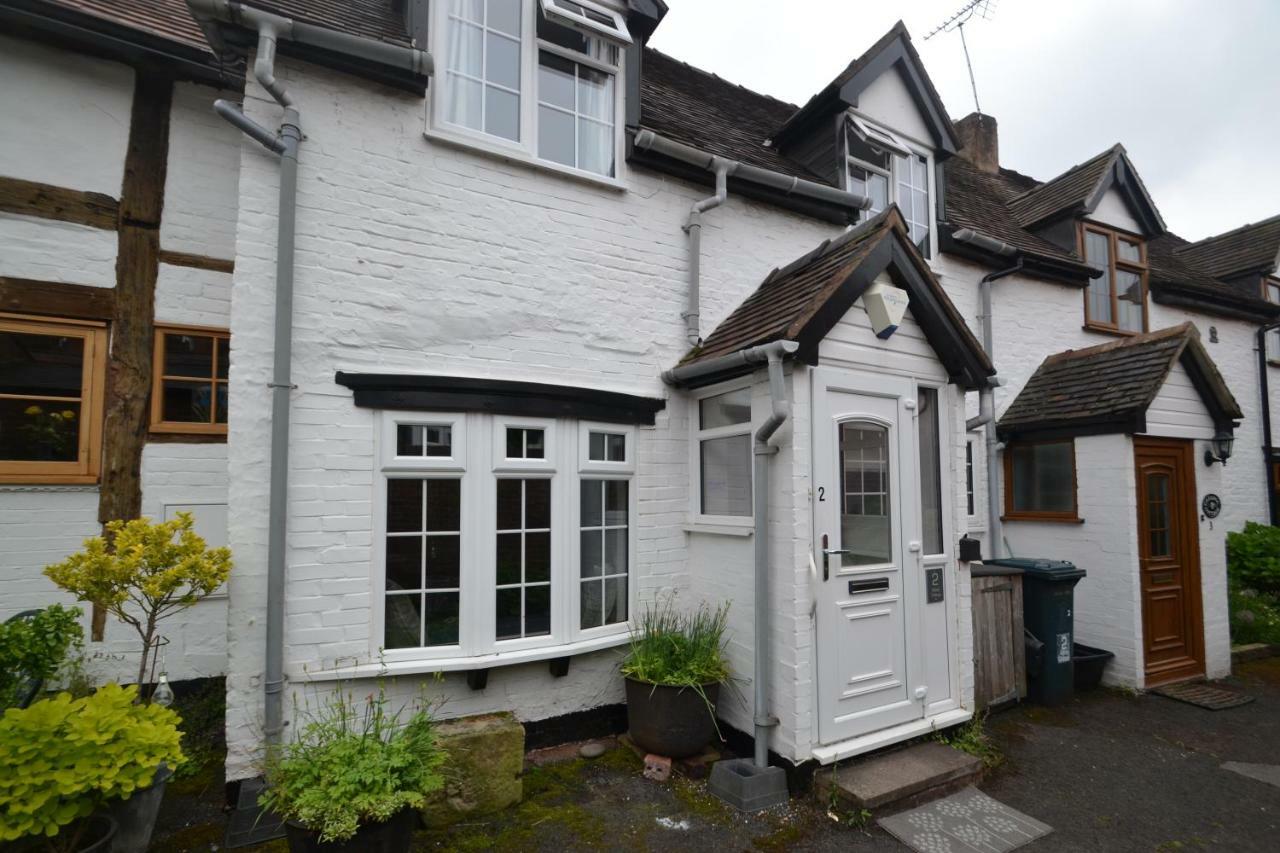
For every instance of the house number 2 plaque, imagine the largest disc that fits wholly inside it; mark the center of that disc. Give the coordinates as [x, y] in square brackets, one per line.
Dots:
[933, 585]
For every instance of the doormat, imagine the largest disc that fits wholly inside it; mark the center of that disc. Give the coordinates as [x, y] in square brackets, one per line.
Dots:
[1269, 773]
[963, 822]
[1203, 695]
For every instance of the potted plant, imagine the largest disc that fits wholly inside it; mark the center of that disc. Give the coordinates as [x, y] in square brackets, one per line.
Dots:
[354, 777]
[143, 573]
[33, 647]
[674, 670]
[62, 760]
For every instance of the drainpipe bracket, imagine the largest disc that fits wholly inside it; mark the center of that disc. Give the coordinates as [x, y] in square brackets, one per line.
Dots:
[767, 450]
[766, 721]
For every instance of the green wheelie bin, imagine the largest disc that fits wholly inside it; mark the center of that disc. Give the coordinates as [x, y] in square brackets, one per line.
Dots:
[1048, 606]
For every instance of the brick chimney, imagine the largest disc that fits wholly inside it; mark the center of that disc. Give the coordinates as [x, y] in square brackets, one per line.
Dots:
[980, 141]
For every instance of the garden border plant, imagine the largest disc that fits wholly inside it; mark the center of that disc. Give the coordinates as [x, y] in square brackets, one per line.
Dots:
[353, 765]
[34, 647]
[1253, 583]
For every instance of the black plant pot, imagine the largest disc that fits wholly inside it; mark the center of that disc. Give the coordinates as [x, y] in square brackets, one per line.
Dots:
[392, 836]
[135, 817]
[99, 832]
[673, 721]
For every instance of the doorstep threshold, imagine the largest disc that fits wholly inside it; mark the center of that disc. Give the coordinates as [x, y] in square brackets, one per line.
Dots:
[862, 744]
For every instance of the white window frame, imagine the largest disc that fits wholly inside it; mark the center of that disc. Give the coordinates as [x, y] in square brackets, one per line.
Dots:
[594, 470]
[560, 15]
[526, 149]
[479, 460]
[908, 148]
[946, 446]
[1271, 293]
[697, 435]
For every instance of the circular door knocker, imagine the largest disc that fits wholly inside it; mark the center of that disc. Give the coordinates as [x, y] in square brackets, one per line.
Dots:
[1211, 506]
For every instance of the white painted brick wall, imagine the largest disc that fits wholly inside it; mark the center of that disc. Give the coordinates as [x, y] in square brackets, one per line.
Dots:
[201, 186]
[45, 250]
[191, 296]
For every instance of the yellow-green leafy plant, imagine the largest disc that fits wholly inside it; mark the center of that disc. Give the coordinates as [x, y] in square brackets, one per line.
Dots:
[142, 572]
[63, 758]
[33, 649]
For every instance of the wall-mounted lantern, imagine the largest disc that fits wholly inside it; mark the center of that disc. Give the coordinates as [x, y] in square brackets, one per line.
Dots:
[1220, 448]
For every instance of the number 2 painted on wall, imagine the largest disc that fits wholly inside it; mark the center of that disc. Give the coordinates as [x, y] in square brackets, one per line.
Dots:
[822, 493]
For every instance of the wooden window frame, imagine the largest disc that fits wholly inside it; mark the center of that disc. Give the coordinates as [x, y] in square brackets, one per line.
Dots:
[86, 468]
[1269, 282]
[1066, 517]
[158, 377]
[1115, 265]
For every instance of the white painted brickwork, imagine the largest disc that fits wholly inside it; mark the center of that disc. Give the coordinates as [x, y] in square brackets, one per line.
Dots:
[44, 250]
[195, 297]
[201, 186]
[416, 257]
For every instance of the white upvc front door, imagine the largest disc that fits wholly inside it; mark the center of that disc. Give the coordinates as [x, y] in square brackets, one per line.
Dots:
[870, 577]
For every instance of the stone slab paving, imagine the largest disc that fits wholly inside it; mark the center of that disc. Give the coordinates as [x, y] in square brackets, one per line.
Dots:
[1269, 773]
[966, 822]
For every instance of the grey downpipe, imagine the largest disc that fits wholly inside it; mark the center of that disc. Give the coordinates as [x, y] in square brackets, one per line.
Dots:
[647, 140]
[761, 453]
[986, 394]
[693, 313]
[1264, 386]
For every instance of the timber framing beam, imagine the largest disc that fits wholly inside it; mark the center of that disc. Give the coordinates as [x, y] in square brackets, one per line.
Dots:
[133, 316]
[199, 262]
[30, 198]
[55, 299]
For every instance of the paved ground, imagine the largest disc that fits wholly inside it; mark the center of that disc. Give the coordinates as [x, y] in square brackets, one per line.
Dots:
[1110, 772]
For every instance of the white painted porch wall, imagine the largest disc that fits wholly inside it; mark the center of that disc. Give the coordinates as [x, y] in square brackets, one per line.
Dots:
[417, 257]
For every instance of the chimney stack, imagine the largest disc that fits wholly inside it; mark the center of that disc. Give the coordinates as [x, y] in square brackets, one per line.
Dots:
[980, 141]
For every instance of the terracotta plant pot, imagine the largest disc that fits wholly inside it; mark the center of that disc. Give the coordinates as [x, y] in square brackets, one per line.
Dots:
[393, 836]
[135, 817]
[673, 721]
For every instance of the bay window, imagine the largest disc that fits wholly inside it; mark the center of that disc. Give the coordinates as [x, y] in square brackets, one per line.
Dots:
[887, 169]
[1117, 300]
[501, 534]
[52, 374]
[533, 78]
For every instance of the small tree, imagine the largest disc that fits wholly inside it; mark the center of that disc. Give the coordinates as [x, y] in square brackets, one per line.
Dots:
[142, 572]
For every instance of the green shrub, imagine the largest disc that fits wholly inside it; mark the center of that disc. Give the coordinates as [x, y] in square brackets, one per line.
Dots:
[32, 650]
[62, 758]
[353, 764]
[1253, 558]
[679, 649]
[1255, 617]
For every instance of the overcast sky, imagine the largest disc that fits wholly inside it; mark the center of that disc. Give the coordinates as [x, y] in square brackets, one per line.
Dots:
[1190, 87]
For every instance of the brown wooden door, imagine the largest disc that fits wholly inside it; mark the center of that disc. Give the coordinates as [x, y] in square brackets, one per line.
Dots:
[1169, 560]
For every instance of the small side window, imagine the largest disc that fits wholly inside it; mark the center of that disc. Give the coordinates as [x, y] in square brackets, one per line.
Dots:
[1040, 481]
[724, 454]
[189, 390]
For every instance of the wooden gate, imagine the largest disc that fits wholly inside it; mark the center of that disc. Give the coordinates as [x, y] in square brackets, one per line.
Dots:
[999, 655]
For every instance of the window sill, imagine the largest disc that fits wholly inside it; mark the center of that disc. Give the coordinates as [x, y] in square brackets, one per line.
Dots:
[1105, 330]
[174, 437]
[1273, 362]
[48, 479]
[421, 666]
[1048, 519]
[514, 154]
[29, 485]
[712, 529]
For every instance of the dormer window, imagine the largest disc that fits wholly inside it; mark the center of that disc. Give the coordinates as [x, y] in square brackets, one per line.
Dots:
[532, 79]
[885, 168]
[1117, 300]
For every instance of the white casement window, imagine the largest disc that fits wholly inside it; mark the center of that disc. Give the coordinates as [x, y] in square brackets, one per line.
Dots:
[1271, 291]
[722, 456]
[500, 535]
[888, 169]
[536, 79]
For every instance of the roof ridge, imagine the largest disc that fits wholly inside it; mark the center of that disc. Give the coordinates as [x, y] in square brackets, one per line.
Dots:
[1191, 245]
[1108, 152]
[712, 74]
[1185, 328]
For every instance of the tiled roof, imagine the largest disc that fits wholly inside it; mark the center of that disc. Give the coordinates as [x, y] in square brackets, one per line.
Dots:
[979, 200]
[801, 301]
[1245, 249]
[373, 19]
[707, 112]
[167, 19]
[1171, 272]
[1070, 189]
[1109, 387]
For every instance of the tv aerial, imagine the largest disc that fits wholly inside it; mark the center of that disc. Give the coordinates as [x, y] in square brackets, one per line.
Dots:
[983, 9]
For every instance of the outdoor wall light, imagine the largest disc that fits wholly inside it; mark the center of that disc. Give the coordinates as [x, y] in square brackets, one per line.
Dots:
[1221, 444]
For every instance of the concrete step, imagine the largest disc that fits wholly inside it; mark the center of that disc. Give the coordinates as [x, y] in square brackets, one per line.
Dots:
[904, 778]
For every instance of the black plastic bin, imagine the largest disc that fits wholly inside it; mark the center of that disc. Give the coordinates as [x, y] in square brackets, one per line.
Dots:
[1048, 607]
[1089, 664]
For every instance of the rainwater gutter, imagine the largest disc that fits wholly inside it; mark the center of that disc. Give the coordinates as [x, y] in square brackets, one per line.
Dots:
[647, 140]
[770, 354]
[285, 143]
[986, 394]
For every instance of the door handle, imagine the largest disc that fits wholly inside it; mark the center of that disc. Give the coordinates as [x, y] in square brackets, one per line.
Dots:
[826, 557]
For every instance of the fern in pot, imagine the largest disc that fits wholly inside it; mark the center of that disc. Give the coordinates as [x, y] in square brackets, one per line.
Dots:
[674, 669]
[354, 776]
